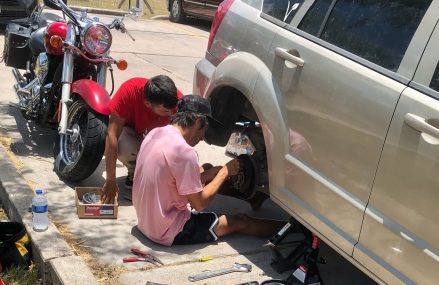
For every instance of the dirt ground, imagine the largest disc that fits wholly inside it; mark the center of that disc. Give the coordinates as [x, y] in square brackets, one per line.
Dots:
[151, 7]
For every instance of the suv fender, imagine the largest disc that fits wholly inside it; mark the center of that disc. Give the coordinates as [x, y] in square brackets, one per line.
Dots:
[255, 83]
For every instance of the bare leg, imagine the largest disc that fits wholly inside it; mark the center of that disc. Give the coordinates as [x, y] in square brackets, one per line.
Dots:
[128, 148]
[244, 224]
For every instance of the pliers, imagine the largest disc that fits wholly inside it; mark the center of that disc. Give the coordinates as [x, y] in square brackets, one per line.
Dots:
[143, 256]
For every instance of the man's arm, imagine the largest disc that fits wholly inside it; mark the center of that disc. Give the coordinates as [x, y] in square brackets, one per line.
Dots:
[208, 175]
[199, 201]
[115, 127]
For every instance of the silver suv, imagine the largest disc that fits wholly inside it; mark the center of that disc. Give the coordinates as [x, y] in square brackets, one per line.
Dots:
[340, 100]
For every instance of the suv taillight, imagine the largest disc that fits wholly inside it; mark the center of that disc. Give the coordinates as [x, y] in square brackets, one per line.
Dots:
[219, 16]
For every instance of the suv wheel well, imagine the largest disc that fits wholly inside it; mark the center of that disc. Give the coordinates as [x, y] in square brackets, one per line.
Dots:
[229, 106]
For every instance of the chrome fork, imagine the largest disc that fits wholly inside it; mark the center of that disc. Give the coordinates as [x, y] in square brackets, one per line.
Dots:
[66, 79]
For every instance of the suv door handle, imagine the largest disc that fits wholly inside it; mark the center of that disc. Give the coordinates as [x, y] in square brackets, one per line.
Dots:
[284, 54]
[421, 125]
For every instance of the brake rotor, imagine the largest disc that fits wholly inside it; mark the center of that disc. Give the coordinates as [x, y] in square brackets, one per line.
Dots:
[246, 181]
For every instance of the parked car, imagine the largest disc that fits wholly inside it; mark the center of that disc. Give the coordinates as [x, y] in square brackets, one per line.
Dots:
[16, 10]
[202, 9]
[345, 94]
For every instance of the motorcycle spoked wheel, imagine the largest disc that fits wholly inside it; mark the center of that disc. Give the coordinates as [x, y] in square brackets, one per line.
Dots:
[78, 155]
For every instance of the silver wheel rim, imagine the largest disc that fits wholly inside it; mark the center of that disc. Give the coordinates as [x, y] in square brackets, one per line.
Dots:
[175, 8]
[72, 144]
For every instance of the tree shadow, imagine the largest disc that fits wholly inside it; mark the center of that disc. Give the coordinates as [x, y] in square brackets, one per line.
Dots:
[201, 24]
[36, 141]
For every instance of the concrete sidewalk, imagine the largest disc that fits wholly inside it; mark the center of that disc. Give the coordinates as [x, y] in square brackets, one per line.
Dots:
[161, 47]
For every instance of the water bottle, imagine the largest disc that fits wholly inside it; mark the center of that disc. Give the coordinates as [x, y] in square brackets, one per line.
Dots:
[40, 209]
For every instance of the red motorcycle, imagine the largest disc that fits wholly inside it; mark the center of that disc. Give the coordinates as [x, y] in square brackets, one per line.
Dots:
[63, 85]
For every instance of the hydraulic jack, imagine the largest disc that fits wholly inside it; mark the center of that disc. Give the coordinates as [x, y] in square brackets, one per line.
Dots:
[302, 260]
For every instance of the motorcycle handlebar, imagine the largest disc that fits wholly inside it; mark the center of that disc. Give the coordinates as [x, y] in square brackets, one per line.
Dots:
[69, 12]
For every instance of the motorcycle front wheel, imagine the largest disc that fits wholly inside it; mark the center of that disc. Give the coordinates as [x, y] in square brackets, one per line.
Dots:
[78, 153]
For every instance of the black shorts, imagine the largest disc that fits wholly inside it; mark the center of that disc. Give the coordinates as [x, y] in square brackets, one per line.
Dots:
[198, 229]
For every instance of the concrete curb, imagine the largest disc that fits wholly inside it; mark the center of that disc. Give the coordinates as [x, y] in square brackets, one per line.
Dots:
[54, 257]
[99, 11]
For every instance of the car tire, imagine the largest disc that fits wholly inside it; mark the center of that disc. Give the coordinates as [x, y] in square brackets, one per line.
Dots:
[176, 13]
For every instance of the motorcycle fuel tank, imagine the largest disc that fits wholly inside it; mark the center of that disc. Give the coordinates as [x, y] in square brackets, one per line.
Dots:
[54, 29]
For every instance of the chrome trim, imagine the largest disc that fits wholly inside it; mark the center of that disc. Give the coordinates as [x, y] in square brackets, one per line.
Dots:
[102, 74]
[41, 66]
[66, 78]
[196, 3]
[211, 5]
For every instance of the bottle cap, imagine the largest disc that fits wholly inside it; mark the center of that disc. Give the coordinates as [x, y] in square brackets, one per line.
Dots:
[39, 191]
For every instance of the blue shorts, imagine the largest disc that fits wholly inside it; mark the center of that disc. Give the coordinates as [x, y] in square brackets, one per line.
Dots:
[198, 229]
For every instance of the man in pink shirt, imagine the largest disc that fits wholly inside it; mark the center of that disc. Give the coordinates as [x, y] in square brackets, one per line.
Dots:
[168, 192]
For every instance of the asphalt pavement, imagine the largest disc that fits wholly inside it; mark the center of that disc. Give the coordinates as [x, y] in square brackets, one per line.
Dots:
[172, 49]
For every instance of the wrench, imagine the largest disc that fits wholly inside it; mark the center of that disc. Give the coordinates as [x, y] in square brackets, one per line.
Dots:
[237, 267]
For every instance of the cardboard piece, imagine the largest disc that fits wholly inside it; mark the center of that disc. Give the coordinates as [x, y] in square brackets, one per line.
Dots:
[94, 211]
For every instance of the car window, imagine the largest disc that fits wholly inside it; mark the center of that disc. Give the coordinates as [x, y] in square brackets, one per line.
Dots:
[315, 16]
[376, 30]
[283, 10]
[434, 84]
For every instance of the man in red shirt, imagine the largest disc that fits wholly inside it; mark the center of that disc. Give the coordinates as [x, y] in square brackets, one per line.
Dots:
[139, 106]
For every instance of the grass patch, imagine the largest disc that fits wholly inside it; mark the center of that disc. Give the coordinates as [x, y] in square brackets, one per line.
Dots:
[17, 276]
[104, 274]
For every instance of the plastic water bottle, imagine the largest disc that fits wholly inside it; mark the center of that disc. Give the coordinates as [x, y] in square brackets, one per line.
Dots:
[40, 209]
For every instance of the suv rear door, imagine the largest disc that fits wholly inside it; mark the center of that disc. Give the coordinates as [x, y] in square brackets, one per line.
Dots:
[340, 67]
[401, 225]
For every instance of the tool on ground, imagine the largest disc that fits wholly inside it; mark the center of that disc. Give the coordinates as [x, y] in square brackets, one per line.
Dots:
[302, 260]
[143, 256]
[205, 258]
[249, 283]
[237, 267]
[153, 283]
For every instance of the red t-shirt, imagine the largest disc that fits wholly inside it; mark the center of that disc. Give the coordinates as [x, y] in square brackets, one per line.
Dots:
[128, 103]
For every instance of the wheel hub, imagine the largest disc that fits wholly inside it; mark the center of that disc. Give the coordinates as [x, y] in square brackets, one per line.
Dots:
[75, 133]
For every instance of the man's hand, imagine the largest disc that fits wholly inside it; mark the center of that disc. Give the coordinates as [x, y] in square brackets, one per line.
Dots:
[209, 175]
[233, 167]
[109, 192]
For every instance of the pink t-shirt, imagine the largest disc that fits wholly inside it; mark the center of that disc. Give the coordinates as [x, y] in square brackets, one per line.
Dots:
[166, 170]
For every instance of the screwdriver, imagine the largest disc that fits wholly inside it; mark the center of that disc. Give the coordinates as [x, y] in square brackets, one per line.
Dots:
[205, 258]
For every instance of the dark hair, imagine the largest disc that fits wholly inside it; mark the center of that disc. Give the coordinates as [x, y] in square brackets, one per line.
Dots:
[188, 119]
[161, 90]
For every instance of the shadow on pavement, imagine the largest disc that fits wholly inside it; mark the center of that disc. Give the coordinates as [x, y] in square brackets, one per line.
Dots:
[198, 23]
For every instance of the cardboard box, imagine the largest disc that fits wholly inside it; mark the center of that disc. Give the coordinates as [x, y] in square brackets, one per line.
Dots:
[93, 211]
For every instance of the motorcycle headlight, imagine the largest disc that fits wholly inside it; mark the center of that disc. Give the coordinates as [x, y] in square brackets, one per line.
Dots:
[96, 39]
